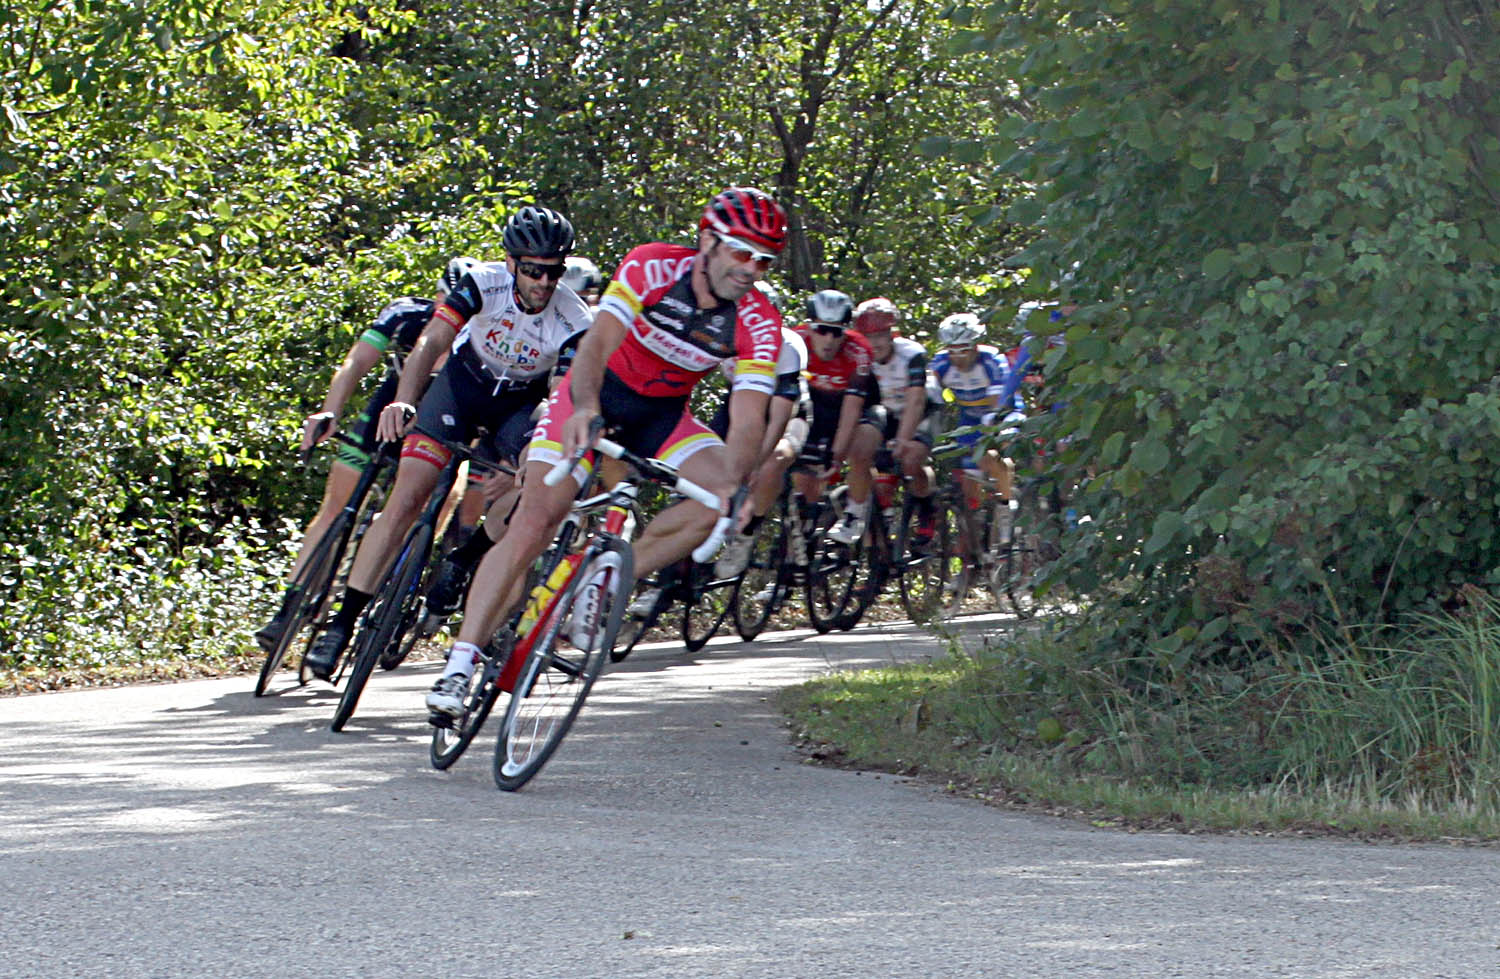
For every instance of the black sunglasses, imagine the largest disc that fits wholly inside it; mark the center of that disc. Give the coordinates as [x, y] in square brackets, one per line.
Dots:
[537, 270]
[828, 329]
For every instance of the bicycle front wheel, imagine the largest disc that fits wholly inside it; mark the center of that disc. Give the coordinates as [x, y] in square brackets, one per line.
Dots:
[567, 657]
[1028, 551]
[393, 612]
[832, 569]
[872, 565]
[304, 598]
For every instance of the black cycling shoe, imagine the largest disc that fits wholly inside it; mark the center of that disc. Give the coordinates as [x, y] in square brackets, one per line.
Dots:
[268, 635]
[446, 594]
[323, 658]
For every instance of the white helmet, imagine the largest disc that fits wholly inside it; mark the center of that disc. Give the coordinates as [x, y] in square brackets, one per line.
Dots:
[960, 330]
[772, 293]
[831, 307]
[581, 275]
[455, 272]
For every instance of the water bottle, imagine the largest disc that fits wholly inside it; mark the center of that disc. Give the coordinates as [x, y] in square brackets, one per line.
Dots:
[542, 594]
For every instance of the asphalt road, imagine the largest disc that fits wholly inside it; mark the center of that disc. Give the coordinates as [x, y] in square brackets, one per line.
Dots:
[190, 829]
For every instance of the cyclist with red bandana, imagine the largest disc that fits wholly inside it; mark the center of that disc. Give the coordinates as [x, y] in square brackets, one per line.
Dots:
[900, 415]
[670, 316]
[508, 325]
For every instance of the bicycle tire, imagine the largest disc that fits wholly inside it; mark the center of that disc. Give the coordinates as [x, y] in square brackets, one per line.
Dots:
[1026, 553]
[553, 686]
[392, 612]
[959, 575]
[922, 579]
[999, 533]
[830, 581]
[449, 743]
[765, 570]
[871, 572]
[306, 594]
[706, 607]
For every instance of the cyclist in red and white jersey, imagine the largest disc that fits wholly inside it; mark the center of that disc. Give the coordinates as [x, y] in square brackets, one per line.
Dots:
[838, 381]
[901, 419]
[508, 325]
[669, 317]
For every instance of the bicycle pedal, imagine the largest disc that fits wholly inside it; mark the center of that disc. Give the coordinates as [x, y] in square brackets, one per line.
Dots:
[440, 720]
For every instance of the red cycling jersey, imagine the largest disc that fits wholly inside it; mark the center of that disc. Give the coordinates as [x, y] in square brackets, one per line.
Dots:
[848, 372]
[672, 343]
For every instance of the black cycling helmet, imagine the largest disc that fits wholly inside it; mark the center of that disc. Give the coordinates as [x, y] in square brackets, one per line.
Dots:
[539, 232]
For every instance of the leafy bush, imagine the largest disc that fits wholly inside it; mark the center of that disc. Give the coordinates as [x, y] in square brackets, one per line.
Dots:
[1282, 380]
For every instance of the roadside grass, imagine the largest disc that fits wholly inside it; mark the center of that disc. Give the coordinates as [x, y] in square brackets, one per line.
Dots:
[1378, 733]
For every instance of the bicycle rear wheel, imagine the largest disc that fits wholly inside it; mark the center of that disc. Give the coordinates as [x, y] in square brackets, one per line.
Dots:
[1029, 550]
[392, 612]
[761, 587]
[701, 618]
[449, 743]
[304, 598]
[557, 676]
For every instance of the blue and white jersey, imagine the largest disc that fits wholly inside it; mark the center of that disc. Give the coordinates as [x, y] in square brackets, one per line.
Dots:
[978, 389]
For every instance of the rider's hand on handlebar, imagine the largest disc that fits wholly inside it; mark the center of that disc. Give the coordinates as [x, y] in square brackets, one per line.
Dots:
[317, 428]
[394, 421]
[576, 433]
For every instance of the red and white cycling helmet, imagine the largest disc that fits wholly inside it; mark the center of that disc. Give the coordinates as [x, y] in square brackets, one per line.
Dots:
[746, 215]
[876, 316]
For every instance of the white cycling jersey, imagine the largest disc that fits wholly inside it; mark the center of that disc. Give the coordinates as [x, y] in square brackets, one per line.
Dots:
[514, 346]
[906, 367]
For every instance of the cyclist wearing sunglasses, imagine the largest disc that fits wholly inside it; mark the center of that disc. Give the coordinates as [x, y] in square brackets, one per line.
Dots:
[670, 316]
[838, 380]
[507, 326]
[976, 376]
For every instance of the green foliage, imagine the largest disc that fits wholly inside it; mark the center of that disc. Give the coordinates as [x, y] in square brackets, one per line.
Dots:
[203, 204]
[1282, 377]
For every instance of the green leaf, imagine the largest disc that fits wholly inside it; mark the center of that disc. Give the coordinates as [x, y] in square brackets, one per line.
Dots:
[1217, 263]
[1167, 524]
[1150, 455]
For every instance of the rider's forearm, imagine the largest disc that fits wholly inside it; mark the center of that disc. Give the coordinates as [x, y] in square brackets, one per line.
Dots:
[747, 425]
[780, 414]
[357, 363]
[849, 412]
[911, 412]
[586, 377]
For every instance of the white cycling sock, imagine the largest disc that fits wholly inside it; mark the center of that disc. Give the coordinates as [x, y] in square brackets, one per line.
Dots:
[461, 659]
